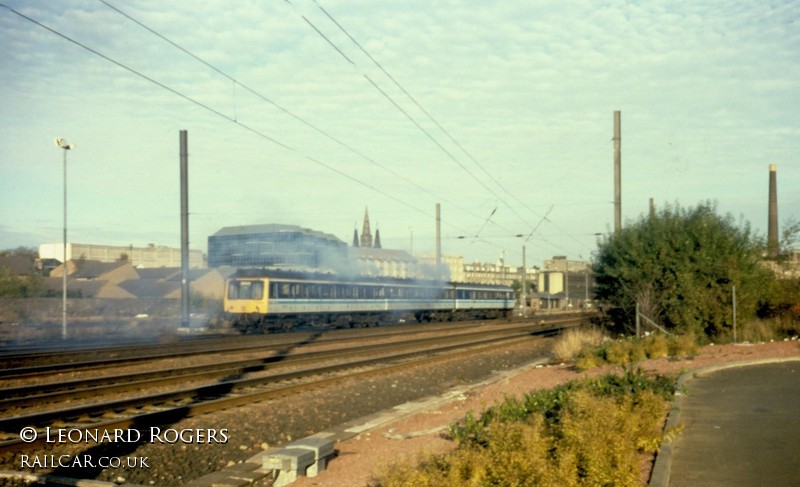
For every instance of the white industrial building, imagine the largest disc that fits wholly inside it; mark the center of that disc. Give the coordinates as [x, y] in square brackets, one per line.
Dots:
[139, 257]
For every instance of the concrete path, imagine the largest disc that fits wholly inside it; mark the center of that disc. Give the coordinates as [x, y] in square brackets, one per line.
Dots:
[742, 428]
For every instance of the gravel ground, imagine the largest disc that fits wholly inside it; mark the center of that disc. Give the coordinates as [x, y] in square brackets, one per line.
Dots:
[251, 429]
[359, 459]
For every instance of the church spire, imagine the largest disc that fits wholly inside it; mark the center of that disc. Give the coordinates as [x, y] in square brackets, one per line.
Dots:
[377, 243]
[355, 238]
[366, 233]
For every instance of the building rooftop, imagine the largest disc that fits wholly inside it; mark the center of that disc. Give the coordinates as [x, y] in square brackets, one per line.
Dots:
[273, 228]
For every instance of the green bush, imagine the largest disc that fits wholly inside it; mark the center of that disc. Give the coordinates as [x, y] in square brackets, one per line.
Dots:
[680, 265]
[587, 432]
[617, 352]
[589, 359]
[626, 352]
[684, 345]
[656, 346]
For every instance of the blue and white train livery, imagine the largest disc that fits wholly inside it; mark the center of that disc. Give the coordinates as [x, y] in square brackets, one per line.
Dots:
[256, 301]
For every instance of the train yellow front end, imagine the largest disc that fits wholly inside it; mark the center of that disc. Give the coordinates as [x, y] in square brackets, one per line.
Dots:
[246, 297]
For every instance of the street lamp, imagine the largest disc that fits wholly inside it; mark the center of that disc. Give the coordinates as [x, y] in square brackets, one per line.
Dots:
[63, 144]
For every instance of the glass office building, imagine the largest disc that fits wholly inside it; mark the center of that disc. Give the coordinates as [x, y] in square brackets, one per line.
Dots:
[275, 245]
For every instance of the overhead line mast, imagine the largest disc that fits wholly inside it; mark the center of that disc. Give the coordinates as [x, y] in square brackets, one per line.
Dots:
[617, 173]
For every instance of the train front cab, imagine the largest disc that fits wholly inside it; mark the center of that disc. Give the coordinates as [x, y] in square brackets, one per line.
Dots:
[246, 297]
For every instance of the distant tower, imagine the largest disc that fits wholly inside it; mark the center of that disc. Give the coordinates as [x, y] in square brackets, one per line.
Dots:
[355, 238]
[772, 230]
[366, 233]
[377, 243]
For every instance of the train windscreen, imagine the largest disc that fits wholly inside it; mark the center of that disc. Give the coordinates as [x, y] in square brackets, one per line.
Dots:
[245, 290]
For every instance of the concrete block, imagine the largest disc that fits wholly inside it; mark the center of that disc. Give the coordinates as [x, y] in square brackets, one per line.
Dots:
[289, 463]
[322, 449]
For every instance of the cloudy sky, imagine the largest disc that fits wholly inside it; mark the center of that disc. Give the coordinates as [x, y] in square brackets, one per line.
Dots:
[303, 112]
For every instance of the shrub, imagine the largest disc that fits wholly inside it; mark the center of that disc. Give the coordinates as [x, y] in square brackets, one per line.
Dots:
[684, 345]
[757, 331]
[656, 346]
[589, 359]
[679, 265]
[624, 352]
[628, 351]
[602, 436]
[581, 433]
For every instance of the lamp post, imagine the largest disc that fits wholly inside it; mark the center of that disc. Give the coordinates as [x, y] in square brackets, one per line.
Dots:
[63, 144]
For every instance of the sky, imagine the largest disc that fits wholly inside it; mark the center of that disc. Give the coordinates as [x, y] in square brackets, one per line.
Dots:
[308, 112]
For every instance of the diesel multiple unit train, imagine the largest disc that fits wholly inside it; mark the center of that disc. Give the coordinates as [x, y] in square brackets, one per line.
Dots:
[258, 301]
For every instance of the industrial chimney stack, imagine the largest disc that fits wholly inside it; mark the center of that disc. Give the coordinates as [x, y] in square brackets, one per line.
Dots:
[772, 231]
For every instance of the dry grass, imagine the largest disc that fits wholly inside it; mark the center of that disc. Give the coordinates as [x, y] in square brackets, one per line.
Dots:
[570, 344]
[757, 331]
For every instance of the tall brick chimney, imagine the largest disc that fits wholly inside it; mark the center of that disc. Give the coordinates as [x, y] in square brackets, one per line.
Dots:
[772, 230]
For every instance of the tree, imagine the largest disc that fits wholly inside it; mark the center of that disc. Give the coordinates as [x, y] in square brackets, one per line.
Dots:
[13, 286]
[680, 266]
[27, 252]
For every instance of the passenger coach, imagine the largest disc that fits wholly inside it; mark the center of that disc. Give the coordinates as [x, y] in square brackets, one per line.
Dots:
[257, 301]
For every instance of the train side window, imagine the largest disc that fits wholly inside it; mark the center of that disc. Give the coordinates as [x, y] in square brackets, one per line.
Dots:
[273, 290]
[257, 290]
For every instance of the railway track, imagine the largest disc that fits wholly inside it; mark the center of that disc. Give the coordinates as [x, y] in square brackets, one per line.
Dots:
[29, 362]
[191, 391]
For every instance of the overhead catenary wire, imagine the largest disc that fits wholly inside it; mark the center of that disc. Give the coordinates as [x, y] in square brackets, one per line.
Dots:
[204, 106]
[381, 91]
[533, 228]
[430, 117]
[298, 118]
[396, 105]
[148, 78]
[436, 123]
[233, 118]
[280, 107]
[210, 109]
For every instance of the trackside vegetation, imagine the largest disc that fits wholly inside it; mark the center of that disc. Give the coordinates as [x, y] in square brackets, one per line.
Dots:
[679, 268]
[591, 347]
[588, 432]
[680, 265]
